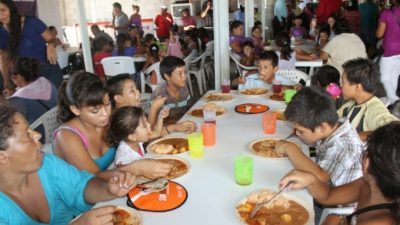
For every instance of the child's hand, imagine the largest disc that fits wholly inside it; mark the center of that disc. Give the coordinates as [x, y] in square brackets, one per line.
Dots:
[242, 80]
[186, 126]
[299, 178]
[164, 113]
[101, 215]
[159, 101]
[120, 184]
[282, 147]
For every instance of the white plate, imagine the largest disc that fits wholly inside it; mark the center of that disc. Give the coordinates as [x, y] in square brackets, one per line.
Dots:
[229, 97]
[255, 153]
[148, 148]
[178, 159]
[253, 95]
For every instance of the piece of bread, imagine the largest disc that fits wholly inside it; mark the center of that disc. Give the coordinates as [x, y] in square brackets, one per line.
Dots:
[162, 148]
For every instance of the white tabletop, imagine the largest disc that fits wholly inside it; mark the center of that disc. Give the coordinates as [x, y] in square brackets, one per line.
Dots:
[212, 191]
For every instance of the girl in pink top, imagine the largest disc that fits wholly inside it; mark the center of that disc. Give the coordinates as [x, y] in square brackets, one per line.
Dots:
[174, 47]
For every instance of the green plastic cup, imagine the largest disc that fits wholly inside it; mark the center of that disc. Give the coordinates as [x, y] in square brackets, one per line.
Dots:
[243, 169]
[288, 95]
[196, 149]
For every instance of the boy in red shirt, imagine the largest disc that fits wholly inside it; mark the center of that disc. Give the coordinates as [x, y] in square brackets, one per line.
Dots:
[104, 51]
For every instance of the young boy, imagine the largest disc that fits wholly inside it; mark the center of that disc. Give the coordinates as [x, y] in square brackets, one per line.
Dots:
[123, 92]
[268, 66]
[173, 71]
[365, 111]
[105, 50]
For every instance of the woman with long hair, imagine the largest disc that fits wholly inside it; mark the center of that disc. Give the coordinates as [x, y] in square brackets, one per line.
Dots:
[26, 36]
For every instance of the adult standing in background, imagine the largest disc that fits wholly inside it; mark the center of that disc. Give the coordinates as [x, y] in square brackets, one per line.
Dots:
[280, 15]
[389, 30]
[369, 12]
[120, 20]
[188, 21]
[207, 13]
[136, 18]
[326, 8]
[25, 36]
[352, 15]
[163, 21]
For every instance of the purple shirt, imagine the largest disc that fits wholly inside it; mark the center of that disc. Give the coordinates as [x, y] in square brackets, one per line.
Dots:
[235, 38]
[391, 39]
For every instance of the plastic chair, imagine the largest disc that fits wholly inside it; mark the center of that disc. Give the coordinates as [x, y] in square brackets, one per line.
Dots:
[118, 64]
[49, 122]
[236, 58]
[187, 61]
[296, 75]
[153, 67]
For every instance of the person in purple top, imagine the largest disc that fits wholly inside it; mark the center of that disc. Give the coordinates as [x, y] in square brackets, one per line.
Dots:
[136, 18]
[25, 36]
[389, 30]
[236, 37]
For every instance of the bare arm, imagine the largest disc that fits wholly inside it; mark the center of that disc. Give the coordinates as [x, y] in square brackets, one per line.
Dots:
[205, 11]
[324, 56]
[51, 46]
[380, 31]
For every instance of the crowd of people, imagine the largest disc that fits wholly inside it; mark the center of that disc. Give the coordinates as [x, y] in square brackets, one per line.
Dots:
[98, 146]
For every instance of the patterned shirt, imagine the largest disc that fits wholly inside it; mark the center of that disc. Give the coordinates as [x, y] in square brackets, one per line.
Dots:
[340, 154]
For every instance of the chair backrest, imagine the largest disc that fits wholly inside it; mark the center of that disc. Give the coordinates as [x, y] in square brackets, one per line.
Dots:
[156, 68]
[118, 64]
[236, 58]
[49, 122]
[296, 76]
[189, 58]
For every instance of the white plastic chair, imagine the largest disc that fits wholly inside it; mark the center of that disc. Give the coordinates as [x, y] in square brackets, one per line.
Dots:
[49, 122]
[187, 61]
[118, 64]
[153, 67]
[209, 64]
[240, 67]
[296, 76]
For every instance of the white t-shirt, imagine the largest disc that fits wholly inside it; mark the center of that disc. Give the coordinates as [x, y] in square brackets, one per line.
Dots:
[287, 64]
[254, 81]
[126, 155]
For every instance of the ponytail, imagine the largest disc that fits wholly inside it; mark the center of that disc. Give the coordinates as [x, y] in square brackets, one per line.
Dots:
[282, 40]
[64, 112]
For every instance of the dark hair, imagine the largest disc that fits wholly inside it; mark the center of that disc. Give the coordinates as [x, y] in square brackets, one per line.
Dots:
[115, 85]
[51, 28]
[325, 76]
[255, 28]
[117, 5]
[362, 71]
[351, 5]
[27, 67]
[82, 89]
[6, 125]
[148, 37]
[173, 28]
[137, 7]
[235, 24]
[341, 26]
[282, 40]
[248, 43]
[121, 39]
[169, 64]
[100, 42]
[311, 107]
[124, 122]
[257, 24]
[384, 154]
[14, 28]
[324, 28]
[154, 51]
[270, 56]
[186, 10]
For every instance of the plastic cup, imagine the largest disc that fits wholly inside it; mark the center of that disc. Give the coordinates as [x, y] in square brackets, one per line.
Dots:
[269, 122]
[226, 86]
[196, 145]
[276, 86]
[288, 95]
[208, 130]
[243, 169]
[210, 116]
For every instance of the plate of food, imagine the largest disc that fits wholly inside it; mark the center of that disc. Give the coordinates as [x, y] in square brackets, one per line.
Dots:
[127, 216]
[266, 148]
[180, 167]
[168, 146]
[283, 210]
[219, 110]
[253, 91]
[251, 108]
[277, 97]
[218, 97]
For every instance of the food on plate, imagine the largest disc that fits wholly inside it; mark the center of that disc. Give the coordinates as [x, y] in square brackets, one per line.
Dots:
[219, 110]
[280, 115]
[254, 91]
[277, 97]
[124, 217]
[266, 148]
[179, 168]
[280, 211]
[218, 97]
[170, 146]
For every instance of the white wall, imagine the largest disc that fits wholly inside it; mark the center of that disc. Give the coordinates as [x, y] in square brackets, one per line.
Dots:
[49, 11]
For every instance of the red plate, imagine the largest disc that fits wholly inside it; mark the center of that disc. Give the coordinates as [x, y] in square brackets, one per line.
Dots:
[251, 108]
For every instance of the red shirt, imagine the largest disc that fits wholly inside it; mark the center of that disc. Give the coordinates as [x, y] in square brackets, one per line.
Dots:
[163, 22]
[98, 67]
[326, 8]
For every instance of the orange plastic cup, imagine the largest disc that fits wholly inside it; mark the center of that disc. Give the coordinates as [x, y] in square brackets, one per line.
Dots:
[209, 133]
[269, 122]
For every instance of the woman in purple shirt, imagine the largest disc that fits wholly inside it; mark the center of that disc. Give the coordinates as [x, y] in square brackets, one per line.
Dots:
[389, 30]
[136, 18]
[25, 36]
[236, 37]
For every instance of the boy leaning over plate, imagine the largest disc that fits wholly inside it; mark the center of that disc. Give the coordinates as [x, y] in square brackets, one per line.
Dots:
[316, 123]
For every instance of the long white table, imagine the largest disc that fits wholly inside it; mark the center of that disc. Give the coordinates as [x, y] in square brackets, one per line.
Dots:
[212, 191]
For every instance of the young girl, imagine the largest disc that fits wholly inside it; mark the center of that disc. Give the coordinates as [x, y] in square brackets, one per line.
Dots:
[257, 39]
[129, 129]
[377, 192]
[328, 78]
[174, 46]
[153, 56]
[190, 40]
[124, 46]
[298, 31]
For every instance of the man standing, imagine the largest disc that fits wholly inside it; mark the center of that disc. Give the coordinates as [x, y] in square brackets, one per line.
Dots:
[120, 20]
[163, 21]
[326, 8]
